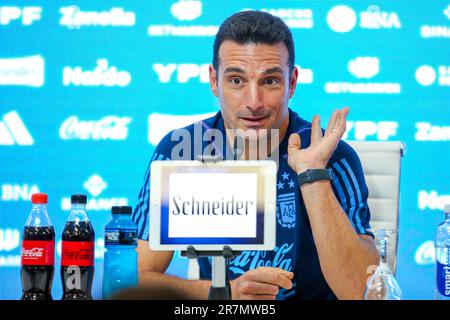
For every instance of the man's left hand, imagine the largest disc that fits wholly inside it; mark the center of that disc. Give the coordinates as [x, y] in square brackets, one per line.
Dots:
[317, 155]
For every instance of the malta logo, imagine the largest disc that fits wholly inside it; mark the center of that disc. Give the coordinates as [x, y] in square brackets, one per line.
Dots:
[286, 210]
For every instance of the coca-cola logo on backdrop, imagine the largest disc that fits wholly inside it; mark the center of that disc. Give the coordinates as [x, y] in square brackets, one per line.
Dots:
[107, 128]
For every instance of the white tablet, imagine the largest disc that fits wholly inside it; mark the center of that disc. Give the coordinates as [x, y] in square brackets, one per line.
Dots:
[212, 205]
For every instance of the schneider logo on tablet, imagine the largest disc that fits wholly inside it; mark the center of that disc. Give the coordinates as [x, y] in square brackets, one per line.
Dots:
[192, 206]
[213, 206]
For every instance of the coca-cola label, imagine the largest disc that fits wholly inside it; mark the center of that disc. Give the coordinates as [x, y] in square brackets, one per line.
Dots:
[38, 253]
[77, 253]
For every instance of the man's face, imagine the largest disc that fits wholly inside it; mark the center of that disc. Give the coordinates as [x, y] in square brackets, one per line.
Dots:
[253, 85]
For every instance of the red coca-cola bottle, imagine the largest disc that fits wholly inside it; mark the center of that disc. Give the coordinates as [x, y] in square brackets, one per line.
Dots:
[38, 252]
[77, 254]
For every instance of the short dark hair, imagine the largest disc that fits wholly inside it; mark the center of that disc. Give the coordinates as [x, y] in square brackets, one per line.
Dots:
[254, 27]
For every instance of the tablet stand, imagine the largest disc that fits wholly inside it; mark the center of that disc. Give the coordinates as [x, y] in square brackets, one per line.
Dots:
[220, 283]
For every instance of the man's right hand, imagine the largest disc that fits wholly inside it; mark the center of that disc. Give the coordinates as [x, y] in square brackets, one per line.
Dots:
[262, 283]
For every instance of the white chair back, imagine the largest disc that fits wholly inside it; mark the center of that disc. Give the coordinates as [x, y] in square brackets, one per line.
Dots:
[381, 164]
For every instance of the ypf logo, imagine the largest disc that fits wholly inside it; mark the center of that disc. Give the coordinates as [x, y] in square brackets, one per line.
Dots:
[184, 72]
[367, 130]
[186, 10]
[26, 15]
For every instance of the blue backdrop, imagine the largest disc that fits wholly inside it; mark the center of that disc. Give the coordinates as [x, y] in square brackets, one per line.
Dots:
[87, 89]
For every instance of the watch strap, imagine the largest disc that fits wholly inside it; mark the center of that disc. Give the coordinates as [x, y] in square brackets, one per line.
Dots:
[312, 175]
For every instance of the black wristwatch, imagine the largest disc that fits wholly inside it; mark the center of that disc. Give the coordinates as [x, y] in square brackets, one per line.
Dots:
[312, 175]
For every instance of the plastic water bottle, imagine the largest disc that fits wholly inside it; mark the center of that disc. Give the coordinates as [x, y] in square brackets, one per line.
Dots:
[120, 263]
[442, 246]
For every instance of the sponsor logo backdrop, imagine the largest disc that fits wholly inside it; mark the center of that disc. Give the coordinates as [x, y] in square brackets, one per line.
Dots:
[88, 88]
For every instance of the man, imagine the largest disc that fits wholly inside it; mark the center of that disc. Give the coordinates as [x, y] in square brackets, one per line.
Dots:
[323, 246]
